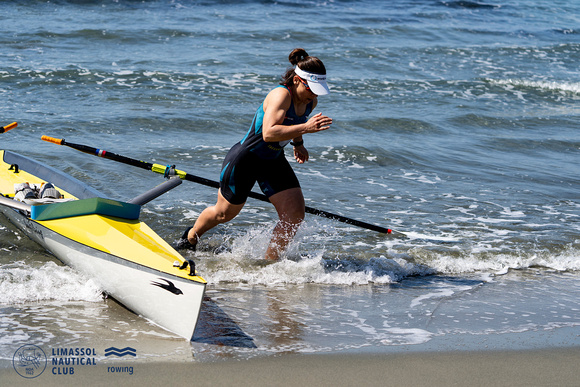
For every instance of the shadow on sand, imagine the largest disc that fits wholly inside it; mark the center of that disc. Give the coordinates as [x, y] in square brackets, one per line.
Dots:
[216, 327]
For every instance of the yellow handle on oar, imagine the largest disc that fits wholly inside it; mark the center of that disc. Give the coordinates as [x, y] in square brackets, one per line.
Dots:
[57, 141]
[8, 127]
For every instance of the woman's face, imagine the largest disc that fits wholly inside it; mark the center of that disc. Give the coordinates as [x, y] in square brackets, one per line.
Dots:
[303, 90]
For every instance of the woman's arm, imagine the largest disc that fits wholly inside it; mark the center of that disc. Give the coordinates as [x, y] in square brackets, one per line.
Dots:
[276, 105]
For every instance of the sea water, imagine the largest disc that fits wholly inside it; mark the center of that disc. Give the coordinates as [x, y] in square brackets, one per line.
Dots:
[455, 123]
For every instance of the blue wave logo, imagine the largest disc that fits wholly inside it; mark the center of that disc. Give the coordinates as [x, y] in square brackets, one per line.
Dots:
[128, 351]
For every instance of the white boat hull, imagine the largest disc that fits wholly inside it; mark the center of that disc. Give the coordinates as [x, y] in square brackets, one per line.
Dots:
[171, 302]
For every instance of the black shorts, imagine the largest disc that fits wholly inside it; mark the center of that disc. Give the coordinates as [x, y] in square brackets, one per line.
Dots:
[242, 169]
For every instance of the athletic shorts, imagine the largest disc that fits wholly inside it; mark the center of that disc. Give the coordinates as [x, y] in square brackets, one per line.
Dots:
[242, 169]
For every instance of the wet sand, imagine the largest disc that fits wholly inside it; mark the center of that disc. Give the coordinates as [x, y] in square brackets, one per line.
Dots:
[549, 367]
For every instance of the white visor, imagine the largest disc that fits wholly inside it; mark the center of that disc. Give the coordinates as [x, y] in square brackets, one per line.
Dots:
[316, 82]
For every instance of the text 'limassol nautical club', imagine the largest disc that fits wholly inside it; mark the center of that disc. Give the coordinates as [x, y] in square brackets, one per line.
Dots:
[65, 361]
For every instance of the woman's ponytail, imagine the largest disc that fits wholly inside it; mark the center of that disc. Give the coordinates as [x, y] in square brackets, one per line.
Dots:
[299, 57]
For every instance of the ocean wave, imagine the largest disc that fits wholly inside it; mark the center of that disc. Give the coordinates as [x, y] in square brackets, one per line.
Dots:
[352, 270]
[316, 270]
[482, 259]
[566, 31]
[572, 87]
[469, 4]
[143, 78]
[324, 255]
[21, 283]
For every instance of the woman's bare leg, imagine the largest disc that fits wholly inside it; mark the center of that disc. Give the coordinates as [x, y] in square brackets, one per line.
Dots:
[290, 207]
[223, 211]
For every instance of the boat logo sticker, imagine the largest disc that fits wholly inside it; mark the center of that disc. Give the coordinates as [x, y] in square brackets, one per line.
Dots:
[169, 286]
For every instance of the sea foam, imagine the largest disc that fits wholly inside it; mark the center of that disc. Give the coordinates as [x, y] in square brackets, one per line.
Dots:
[23, 283]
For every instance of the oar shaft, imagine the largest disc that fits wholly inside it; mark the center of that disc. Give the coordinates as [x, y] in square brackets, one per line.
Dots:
[14, 204]
[344, 219]
[309, 210]
[329, 215]
[210, 183]
[100, 153]
[201, 180]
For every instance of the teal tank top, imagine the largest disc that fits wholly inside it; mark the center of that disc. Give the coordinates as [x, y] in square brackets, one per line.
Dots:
[254, 141]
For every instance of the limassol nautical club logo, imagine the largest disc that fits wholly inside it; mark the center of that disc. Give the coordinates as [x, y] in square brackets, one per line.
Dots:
[127, 351]
[29, 361]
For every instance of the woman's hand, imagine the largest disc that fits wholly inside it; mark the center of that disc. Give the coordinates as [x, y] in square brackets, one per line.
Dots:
[300, 154]
[318, 123]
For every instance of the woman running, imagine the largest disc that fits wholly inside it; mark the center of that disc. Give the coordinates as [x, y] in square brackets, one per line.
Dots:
[259, 156]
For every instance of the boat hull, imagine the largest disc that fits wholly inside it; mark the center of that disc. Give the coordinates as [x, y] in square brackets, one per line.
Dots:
[127, 260]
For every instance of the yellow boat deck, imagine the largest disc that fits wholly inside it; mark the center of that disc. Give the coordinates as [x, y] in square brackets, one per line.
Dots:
[131, 240]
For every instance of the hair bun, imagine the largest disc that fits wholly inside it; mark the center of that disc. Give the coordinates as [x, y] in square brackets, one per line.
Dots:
[297, 55]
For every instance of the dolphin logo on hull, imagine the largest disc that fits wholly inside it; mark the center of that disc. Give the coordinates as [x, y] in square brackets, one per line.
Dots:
[169, 286]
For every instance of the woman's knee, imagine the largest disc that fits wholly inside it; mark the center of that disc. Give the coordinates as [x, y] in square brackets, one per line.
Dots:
[224, 211]
[225, 215]
[293, 217]
[289, 205]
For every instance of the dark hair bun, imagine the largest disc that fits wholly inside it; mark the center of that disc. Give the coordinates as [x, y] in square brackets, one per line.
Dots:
[297, 55]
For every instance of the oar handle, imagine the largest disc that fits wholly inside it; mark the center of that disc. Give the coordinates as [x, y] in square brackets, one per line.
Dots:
[8, 127]
[56, 141]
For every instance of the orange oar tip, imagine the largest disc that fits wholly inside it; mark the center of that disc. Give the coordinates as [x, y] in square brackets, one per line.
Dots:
[8, 127]
[57, 141]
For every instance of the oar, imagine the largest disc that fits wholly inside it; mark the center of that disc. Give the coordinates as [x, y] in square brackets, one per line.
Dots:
[157, 168]
[7, 201]
[8, 127]
[15, 204]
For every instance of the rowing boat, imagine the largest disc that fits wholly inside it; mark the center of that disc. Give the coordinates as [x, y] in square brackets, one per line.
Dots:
[105, 240]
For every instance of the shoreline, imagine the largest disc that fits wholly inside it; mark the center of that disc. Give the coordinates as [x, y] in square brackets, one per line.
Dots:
[541, 367]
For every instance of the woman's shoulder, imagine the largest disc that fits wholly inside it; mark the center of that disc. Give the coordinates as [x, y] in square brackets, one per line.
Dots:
[281, 91]
[279, 96]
